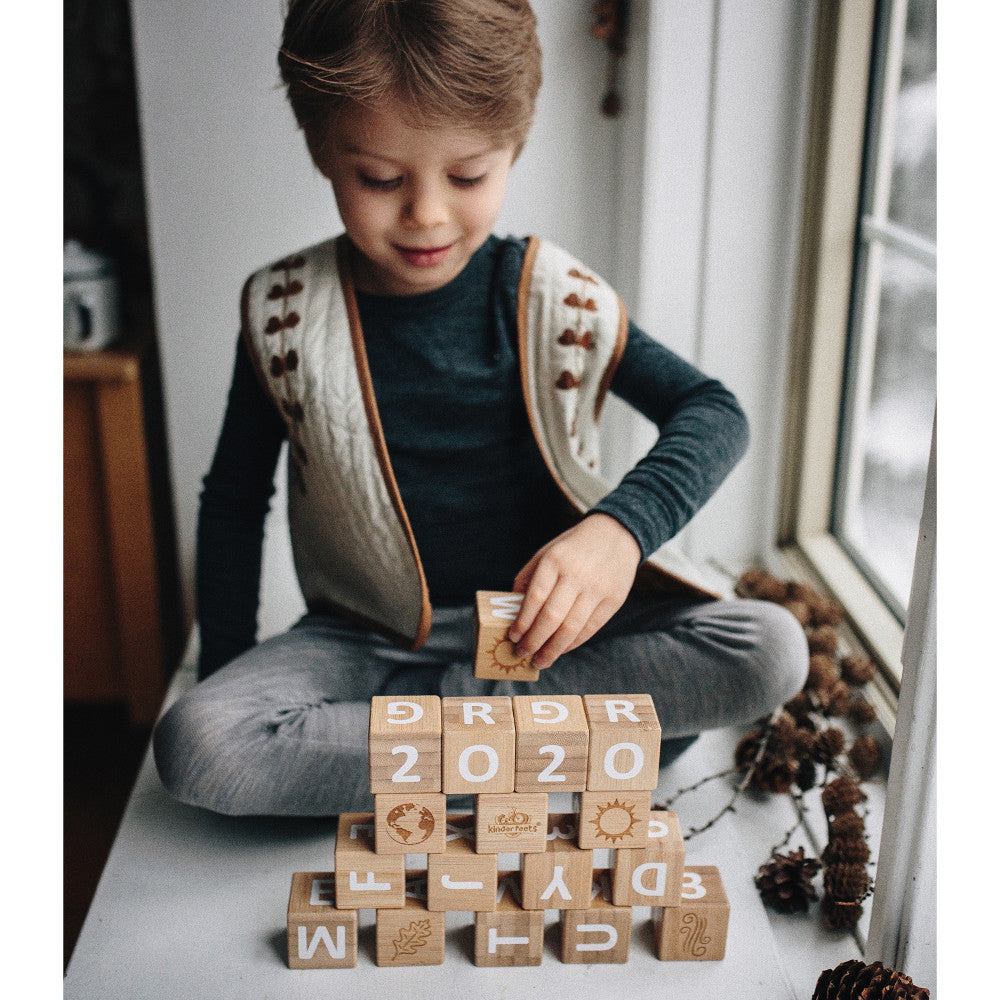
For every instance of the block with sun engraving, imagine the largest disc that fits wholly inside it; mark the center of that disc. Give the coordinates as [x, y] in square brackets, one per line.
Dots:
[614, 819]
[496, 659]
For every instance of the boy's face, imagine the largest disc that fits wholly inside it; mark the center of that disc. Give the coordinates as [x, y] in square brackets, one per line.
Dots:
[416, 202]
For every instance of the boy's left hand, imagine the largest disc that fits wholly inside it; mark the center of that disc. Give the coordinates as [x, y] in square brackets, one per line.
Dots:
[573, 586]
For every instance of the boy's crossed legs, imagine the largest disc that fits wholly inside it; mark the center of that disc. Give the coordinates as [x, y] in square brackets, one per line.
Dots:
[283, 729]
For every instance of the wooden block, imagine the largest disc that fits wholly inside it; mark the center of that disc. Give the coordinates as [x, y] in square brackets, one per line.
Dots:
[561, 877]
[600, 934]
[509, 935]
[365, 879]
[319, 936]
[460, 879]
[410, 824]
[696, 930]
[410, 936]
[614, 819]
[651, 876]
[404, 744]
[478, 745]
[624, 742]
[552, 737]
[496, 660]
[511, 822]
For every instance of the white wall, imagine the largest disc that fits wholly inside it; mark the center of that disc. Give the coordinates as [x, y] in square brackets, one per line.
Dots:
[687, 203]
[229, 187]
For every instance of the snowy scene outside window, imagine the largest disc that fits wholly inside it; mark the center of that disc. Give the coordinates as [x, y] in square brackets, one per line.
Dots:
[890, 389]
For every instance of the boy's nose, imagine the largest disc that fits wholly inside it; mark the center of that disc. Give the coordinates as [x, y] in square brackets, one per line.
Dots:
[427, 207]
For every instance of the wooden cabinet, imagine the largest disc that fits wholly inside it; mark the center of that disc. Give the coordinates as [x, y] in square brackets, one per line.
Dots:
[112, 615]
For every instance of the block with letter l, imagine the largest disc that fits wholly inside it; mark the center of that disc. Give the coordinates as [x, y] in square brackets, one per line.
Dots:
[460, 879]
[319, 935]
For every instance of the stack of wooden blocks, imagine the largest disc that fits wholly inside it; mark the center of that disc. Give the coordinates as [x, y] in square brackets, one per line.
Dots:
[413, 862]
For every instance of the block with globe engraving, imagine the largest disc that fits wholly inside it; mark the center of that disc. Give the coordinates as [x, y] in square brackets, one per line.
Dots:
[410, 824]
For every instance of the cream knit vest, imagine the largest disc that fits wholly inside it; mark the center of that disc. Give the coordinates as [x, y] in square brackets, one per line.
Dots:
[352, 544]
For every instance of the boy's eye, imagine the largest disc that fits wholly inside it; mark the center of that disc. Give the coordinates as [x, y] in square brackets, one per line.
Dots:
[379, 184]
[467, 181]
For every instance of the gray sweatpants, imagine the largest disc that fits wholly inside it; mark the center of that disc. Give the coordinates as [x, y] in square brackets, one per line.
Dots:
[283, 729]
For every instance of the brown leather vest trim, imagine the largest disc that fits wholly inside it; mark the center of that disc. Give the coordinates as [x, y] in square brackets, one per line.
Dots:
[378, 437]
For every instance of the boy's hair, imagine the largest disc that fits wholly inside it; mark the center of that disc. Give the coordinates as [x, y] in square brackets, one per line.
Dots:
[474, 63]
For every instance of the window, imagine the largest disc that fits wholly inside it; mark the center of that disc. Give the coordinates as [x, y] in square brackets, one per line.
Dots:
[862, 371]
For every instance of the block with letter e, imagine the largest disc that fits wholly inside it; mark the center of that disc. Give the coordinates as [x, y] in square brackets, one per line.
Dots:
[624, 742]
[552, 738]
[363, 878]
[496, 659]
[509, 935]
[404, 744]
[562, 876]
[600, 934]
[651, 876]
[477, 745]
[694, 931]
[460, 879]
[319, 935]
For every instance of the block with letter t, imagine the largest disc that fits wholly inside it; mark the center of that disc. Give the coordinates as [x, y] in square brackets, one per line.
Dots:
[404, 744]
[319, 936]
[509, 935]
[496, 659]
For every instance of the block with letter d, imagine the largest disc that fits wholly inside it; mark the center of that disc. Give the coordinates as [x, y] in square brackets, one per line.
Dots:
[496, 660]
[319, 936]
[364, 879]
[651, 876]
[478, 745]
[404, 744]
[552, 738]
[624, 742]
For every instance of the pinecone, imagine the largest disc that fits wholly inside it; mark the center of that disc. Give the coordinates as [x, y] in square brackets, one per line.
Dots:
[846, 851]
[853, 980]
[823, 640]
[837, 700]
[762, 585]
[841, 795]
[799, 707]
[848, 826]
[865, 756]
[828, 745]
[805, 775]
[861, 711]
[773, 773]
[823, 672]
[827, 612]
[857, 669]
[839, 915]
[800, 612]
[785, 883]
[847, 883]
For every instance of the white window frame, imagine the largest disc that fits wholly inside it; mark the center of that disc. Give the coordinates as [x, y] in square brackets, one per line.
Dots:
[818, 350]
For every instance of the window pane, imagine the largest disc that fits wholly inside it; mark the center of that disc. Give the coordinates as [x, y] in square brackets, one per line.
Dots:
[890, 387]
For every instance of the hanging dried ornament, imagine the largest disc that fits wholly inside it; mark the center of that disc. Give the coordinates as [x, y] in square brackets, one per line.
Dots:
[785, 883]
[823, 672]
[847, 883]
[841, 795]
[853, 980]
[865, 756]
[846, 851]
[861, 711]
[848, 825]
[857, 669]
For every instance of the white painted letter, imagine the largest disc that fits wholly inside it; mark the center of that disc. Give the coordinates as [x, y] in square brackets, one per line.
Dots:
[608, 930]
[491, 755]
[471, 709]
[447, 883]
[507, 606]
[616, 708]
[495, 940]
[659, 886]
[369, 883]
[403, 773]
[542, 711]
[308, 948]
[638, 759]
[399, 708]
[556, 883]
[322, 892]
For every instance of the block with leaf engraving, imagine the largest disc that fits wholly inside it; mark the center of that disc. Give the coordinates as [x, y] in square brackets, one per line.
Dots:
[413, 935]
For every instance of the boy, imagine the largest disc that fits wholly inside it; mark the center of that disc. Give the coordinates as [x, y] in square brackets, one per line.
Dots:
[439, 389]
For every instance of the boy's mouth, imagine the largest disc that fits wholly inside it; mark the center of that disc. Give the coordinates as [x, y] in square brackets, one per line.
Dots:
[423, 256]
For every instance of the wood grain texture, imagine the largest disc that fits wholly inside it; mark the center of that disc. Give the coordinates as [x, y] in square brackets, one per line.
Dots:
[694, 931]
[562, 876]
[410, 823]
[411, 936]
[651, 876]
[551, 743]
[460, 879]
[600, 934]
[509, 821]
[509, 935]
[363, 878]
[477, 746]
[614, 819]
[320, 936]
[404, 744]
